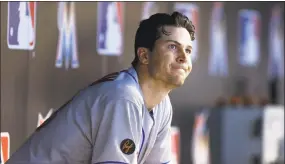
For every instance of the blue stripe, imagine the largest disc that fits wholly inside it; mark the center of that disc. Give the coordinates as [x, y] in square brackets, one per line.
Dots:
[111, 162]
[166, 162]
[142, 141]
[132, 76]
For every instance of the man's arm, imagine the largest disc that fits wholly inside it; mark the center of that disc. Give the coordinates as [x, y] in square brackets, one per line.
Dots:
[82, 131]
[161, 152]
[63, 138]
[118, 137]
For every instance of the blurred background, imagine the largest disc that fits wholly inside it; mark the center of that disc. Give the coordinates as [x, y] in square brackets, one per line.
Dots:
[229, 111]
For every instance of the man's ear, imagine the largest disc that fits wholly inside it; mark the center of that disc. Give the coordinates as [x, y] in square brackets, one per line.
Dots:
[143, 55]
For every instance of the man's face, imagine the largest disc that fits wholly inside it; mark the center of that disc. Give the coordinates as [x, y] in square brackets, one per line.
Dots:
[170, 60]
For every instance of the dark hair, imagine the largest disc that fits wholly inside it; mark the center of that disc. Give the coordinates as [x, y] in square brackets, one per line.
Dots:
[149, 29]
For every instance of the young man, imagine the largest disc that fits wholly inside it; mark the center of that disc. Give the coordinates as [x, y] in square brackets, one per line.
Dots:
[124, 117]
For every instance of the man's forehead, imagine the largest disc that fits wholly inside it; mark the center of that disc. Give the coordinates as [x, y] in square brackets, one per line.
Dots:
[183, 40]
[177, 34]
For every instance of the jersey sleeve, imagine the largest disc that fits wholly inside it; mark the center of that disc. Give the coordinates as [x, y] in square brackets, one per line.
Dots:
[161, 152]
[63, 138]
[118, 137]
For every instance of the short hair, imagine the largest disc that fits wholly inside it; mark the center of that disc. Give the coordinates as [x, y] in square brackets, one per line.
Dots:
[149, 30]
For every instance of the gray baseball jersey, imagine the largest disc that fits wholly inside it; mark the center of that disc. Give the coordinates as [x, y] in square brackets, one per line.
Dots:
[106, 122]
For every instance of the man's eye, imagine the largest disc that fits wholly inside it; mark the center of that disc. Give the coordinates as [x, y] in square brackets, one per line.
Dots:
[188, 51]
[172, 46]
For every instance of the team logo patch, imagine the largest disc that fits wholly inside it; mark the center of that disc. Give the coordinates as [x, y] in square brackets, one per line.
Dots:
[128, 146]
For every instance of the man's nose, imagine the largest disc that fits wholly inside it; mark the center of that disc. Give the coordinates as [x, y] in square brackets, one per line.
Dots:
[182, 58]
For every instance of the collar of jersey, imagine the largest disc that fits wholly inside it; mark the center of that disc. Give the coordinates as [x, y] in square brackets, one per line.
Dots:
[133, 73]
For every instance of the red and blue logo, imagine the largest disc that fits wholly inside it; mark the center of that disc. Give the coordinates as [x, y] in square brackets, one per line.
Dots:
[21, 30]
[110, 28]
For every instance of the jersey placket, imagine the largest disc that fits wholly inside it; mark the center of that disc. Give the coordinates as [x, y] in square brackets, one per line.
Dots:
[150, 139]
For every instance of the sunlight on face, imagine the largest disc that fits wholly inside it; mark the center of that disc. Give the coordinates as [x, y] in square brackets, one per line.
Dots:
[170, 60]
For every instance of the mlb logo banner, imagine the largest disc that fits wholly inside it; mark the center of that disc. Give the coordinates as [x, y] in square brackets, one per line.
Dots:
[149, 8]
[110, 28]
[5, 147]
[249, 37]
[21, 30]
[67, 53]
[200, 139]
[175, 144]
[218, 62]
[192, 12]
[276, 43]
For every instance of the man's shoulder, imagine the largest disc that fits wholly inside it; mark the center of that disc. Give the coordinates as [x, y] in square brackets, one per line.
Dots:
[116, 86]
[122, 90]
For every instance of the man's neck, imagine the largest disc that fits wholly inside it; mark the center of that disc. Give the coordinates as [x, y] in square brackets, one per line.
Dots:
[153, 91]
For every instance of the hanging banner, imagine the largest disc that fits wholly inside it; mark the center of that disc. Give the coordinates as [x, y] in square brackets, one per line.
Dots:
[218, 61]
[175, 145]
[200, 139]
[110, 28]
[249, 37]
[5, 147]
[67, 40]
[21, 30]
[42, 119]
[276, 43]
[149, 8]
[273, 135]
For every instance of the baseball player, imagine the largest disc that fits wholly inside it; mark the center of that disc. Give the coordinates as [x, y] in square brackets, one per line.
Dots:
[125, 117]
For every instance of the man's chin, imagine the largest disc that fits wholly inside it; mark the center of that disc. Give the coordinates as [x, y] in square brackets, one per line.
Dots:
[178, 84]
[176, 81]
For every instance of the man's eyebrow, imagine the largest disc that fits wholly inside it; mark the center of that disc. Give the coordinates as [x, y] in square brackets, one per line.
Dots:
[169, 40]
